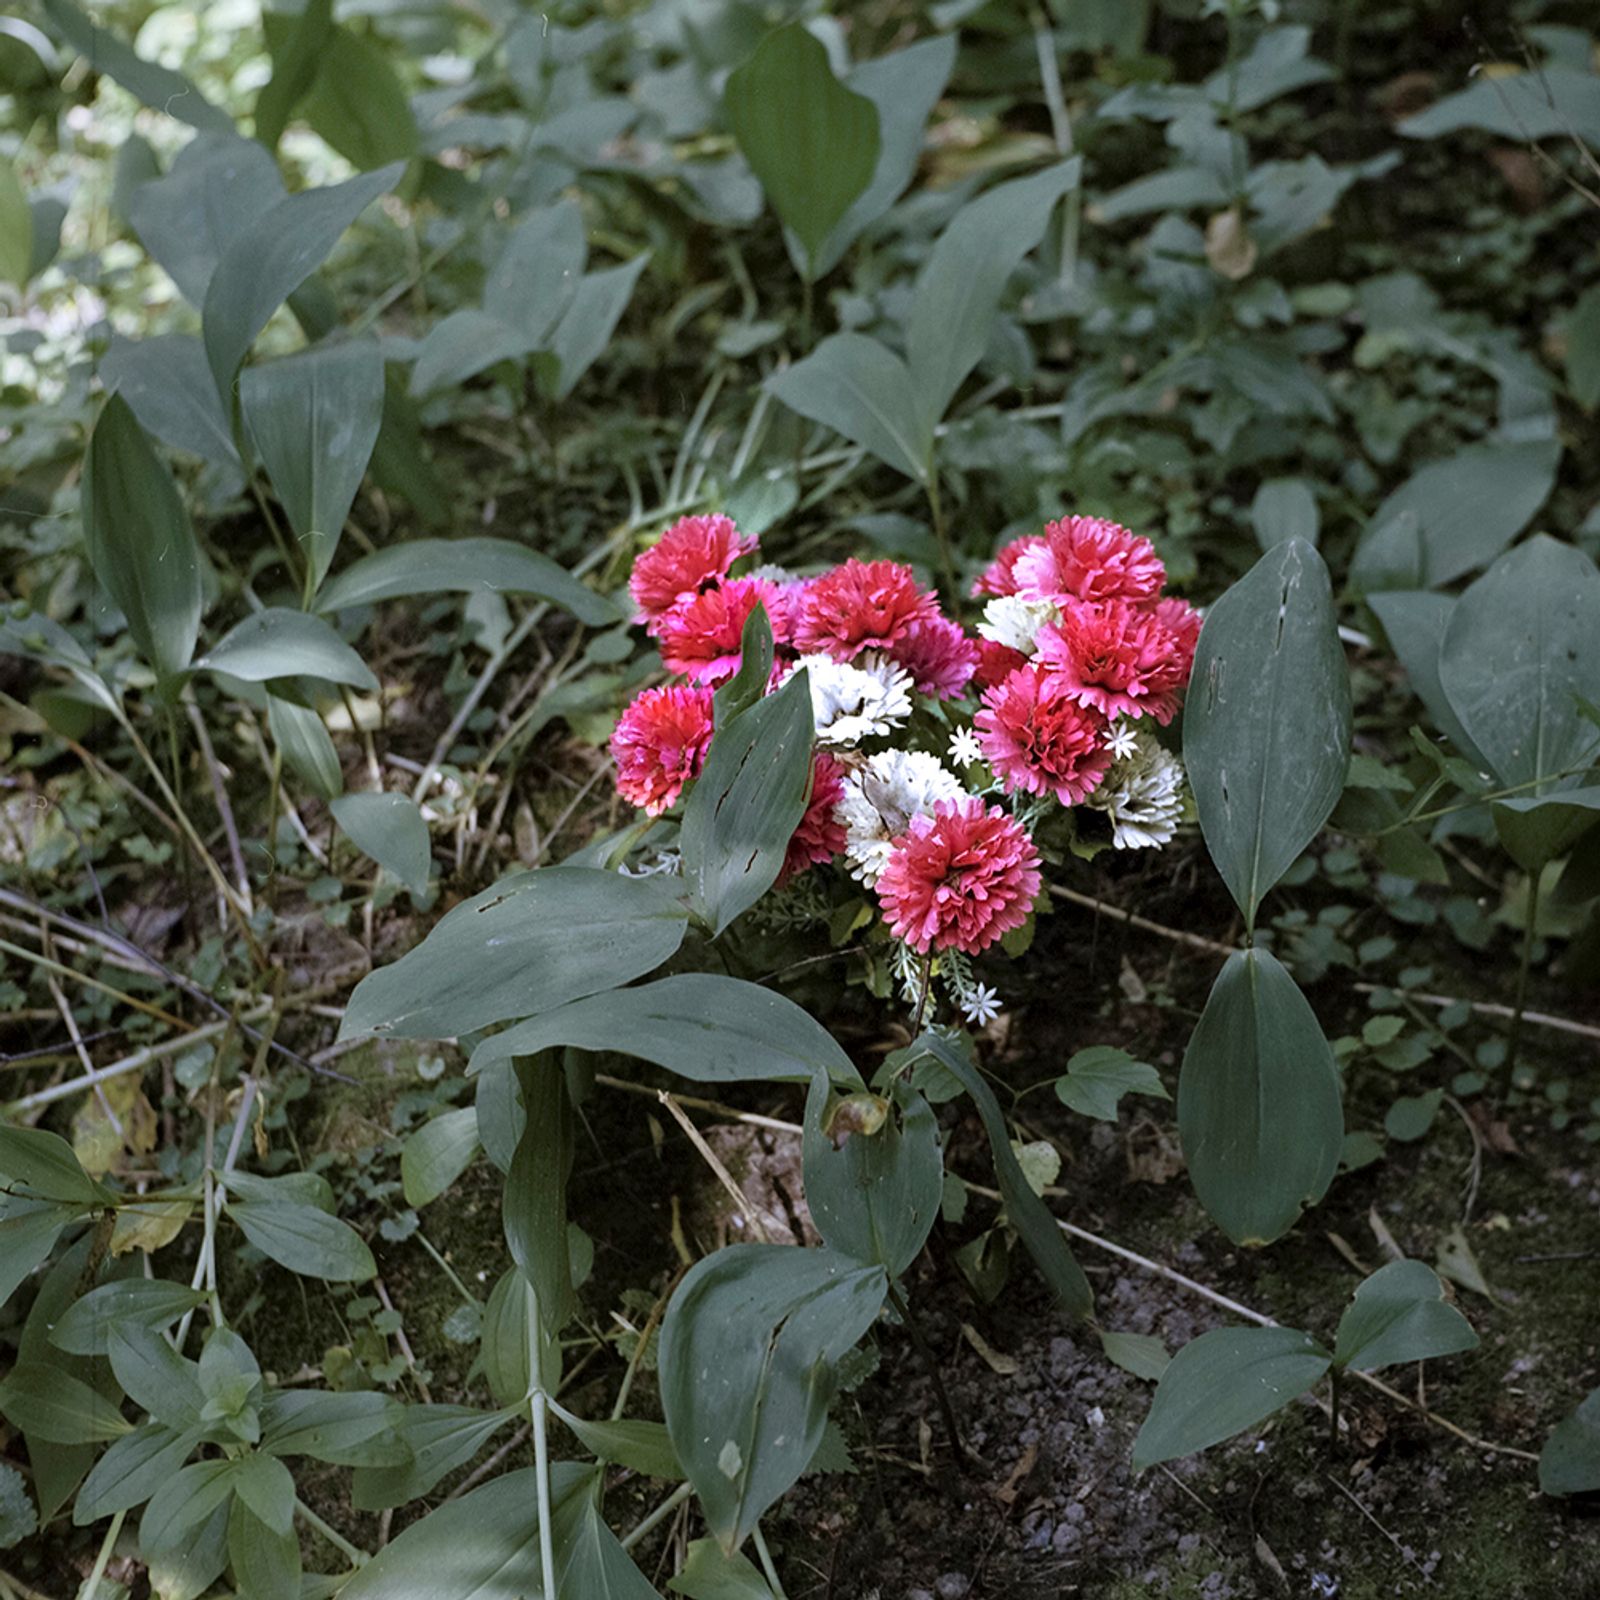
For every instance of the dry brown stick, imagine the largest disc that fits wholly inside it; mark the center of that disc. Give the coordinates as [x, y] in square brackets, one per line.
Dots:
[746, 1208]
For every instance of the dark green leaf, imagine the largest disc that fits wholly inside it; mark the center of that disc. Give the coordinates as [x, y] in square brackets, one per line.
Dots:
[1410, 1117]
[586, 327]
[18, 1517]
[16, 228]
[1222, 1383]
[750, 682]
[1570, 1460]
[40, 1164]
[358, 1429]
[390, 828]
[441, 1438]
[279, 643]
[1400, 1314]
[28, 1232]
[1583, 348]
[139, 542]
[265, 1559]
[1415, 622]
[167, 384]
[1266, 734]
[748, 1350]
[712, 1574]
[1096, 1080]
[462, 345]
[812, 142]
[511, 1333]
[534, 1205]
[305, 1240]
[537, 274]
[644, 1446]
[1142, 1354]
[131, 1470]
[437, 1154]
[148, 1303]
[1258, 1102]
[49, 1402]
[356, 102]
[302, 736]
[184, 1528]
[1284, 509]
[296, 56]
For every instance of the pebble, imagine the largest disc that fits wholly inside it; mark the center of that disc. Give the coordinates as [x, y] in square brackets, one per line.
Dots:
[952, 1585]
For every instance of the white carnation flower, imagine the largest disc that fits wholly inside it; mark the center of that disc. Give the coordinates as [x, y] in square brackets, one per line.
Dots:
[1010, 620]
[1142, 795]
[855, 701]
[879, 800]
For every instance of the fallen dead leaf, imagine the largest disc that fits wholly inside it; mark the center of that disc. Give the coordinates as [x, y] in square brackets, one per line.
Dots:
[1006, 1366]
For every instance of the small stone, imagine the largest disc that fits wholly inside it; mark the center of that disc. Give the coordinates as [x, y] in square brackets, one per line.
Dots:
[952, 1585]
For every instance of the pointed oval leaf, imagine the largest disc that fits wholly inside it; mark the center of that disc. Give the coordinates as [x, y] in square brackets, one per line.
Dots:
[748, 1348]
[1222, 1383]
[16, 228]
[134, 1467]
[40, 1164]
[533, 1204]
[586, 327]
[389, 828]
[1570, 1460]
[305, 1240]
[167, 383]
[279, 643]
[440, 1439]
[812, 142]
[139, 541]
[302, 737]
[510, 952]
[1266, 733]
[50, 1403]
[437, 1154]
[148, 1303]
[1400, 1314]
[1258, 1102]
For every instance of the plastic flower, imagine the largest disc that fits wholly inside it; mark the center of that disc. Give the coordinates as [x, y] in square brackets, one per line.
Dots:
[964, 748]
[1142, 796]
[660, 744]
[863, 605]
[981, 1004]
[820, 836]
[694, 554]
[1011, 621]
[1121, 659]
[1085, 558]
[1000, 576]
[938, 655]
[1038, 739]
[850, 703]
[959, 879]
[879, 799]
[701, 637]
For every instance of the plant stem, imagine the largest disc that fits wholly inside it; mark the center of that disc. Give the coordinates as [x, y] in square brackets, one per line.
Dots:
[767, 1567]
[940, 531]
[922, 999]
[1519, 1004]
[541, 1461]
[1335, 1392]
[658, 1516]
[92, 1588]
[925, 1351]
[353, 1553]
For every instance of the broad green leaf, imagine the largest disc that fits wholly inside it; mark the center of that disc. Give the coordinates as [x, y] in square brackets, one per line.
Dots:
[57, 1407]
[1520, 656]
[41, 1165]
[139, 542]
[28, 1232]
[512, 1334]
[184, 1504]
[747, 802]
[1410, 1117]
[186, 1560]
[463, 566]
[533, 1206]
[1277, 63]
[16, 228]
[591, 1561]
[462, 345]
[270, 257]
[643, 1446]
[1096, 1080]
[1556, 102]
[863, 390]
[389, 828]
[217, 186]
[1570, 1460]
[812, 142]
[748, 1349]
[1462, 511]
[875, 1197]
[1284, 509]
[749, 683]
[1583, 348]
[700, 1025]
[1222, 1383]
[437, 1154]
[536, 276]
[1266, 731]
[1400, 1314]
[147, 1303]
[1258, 1102]
[1415, 622]
[265, 1559]
[131, 1470]
[355, 1429]
[356, 102]
[313, 419]
[296, 56]
[305, 1240]
[484, 1546]
[264, 1484]
[160, 89]
[1025, 1211]
[167, 384]
[586, 327]
[35, 636]
[1142, 1354]
[441, 1438]
[711, 1573]
[510, 952]
[958, 289]
[905, 86]
[279, 643]
[307, 748]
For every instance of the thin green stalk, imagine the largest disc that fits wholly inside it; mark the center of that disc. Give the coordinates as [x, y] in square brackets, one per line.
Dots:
[1519, 1004]
[541, 1462]
[931, 1361]
[657, 1517]
[767, 1567]
[91, 1589]
[940, 531]
[1334, 1395]
[353, 1553]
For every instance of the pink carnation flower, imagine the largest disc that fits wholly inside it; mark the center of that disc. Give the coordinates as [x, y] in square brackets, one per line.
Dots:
[939, 656]
[996, 662]
[1000, 576]
[821, 835]
[1085, 558]
[694, 554]
[660, 744]
[863, 605]
[1123, 660]
[1183, 622]
[961, 878]
[701, 637]
[1039, 740]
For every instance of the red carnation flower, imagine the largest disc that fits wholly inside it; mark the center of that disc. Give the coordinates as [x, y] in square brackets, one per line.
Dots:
[1123, 660]
[701, 637]
[1039, 740]
[863, 605]
[939, 656]
[660, 744]
[820, 836]
[694, 554]
[1000, 576]
[996, 662]
[1085, 558]
[1183, 622]
[961, 878]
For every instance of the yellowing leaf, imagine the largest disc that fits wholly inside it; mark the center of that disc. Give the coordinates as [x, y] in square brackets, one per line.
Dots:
[149, 1225]
[112, 1123]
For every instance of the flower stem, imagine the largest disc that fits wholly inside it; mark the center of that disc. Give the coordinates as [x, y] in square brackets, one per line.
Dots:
[923, 1349]
[922, 999]
[1519, 1004]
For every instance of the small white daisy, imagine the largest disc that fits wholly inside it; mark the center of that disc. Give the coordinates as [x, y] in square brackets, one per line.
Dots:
[1123, 740]
[981, 1004]
[855, 701]
[964, 747]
